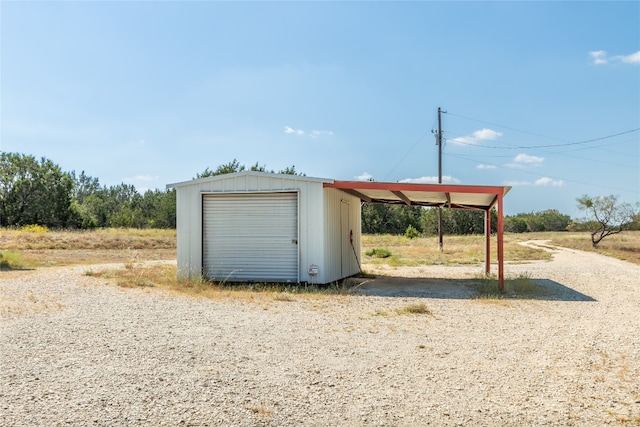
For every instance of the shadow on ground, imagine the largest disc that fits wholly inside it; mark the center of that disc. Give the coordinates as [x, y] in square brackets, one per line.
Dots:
[388, 286]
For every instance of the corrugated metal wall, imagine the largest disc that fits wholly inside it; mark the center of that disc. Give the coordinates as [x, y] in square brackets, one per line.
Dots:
[325, 218]
[251, 237]
[342, 217]
[310, 216]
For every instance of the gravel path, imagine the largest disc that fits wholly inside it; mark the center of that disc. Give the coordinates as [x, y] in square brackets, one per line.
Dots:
[75, 350]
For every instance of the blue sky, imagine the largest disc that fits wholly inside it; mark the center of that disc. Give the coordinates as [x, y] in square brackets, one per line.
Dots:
[150, 93]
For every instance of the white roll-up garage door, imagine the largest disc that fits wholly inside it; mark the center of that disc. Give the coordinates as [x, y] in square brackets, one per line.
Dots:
[250, 237]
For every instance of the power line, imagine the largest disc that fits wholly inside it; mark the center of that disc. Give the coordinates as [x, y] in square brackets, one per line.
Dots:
[545, 176]
[571, 156]
[531, 147]
[565, 141]
[507, 127]
[407, 153]
[599, 161]
[598, 147]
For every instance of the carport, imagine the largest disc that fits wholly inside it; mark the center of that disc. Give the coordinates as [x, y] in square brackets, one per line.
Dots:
[476, 197]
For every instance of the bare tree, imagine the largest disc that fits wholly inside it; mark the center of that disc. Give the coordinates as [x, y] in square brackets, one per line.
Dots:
[609, 216]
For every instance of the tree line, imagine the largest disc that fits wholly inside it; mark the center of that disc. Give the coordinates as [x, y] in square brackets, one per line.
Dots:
[39, 192]
[396, 219]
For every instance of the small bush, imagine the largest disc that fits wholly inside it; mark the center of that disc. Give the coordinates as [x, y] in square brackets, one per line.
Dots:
[34, 228]
[379, 253]
[417, 308]
[9, 261]
[411, 232]
[283, 296]
[521, 287]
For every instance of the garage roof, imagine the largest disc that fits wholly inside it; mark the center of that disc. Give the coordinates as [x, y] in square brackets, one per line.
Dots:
[445, 195]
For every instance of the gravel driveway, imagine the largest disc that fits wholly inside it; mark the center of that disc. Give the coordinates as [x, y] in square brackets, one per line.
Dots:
[75, 350]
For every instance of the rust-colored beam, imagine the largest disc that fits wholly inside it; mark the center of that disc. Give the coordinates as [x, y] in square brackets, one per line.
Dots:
[500, 242]
[493, 202]
[487, 242]
[399, 189]
[405, 186]
[357, 194]
[402, 197]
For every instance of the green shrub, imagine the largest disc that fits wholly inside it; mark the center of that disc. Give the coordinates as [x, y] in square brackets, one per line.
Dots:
[9, 261]
[411, 232]
[379, 253]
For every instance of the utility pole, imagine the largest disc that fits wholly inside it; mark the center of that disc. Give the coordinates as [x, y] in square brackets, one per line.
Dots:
[439, 143]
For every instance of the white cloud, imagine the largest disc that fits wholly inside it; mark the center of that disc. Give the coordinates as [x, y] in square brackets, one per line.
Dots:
[313, 134]
[541, 182]
[525, 158]
[517, 183]
[483, 166]
[464, 140]
[485, 133]
[478, 135]
[634, 58]
[366, 176]
[317, 133]
[447, 179]
[546, 181]
[601, 57]
[292, 131]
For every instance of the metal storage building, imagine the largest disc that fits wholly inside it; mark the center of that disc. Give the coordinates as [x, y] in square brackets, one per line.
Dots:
[255, 226]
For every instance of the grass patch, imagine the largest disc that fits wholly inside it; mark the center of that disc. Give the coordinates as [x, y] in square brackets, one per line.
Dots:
[107, 238]
[164, 276]
[60, 248]
[36, 247]
[624, 246]
[407, 310]
[458, 250]
[10, 261]
[378, 253]
[382, 313]
[283, 296]
[416, 308]
[522, 287]
[135, 275]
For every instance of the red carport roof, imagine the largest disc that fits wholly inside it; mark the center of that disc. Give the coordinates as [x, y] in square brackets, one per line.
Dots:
[482, 197]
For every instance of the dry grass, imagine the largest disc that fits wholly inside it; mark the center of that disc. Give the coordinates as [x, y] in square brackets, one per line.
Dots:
[407, 310]
[108, 238]
[522, 287]
[417, 308]
[163, 276]
[58, 248]
[624, 246]
[458, 250]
